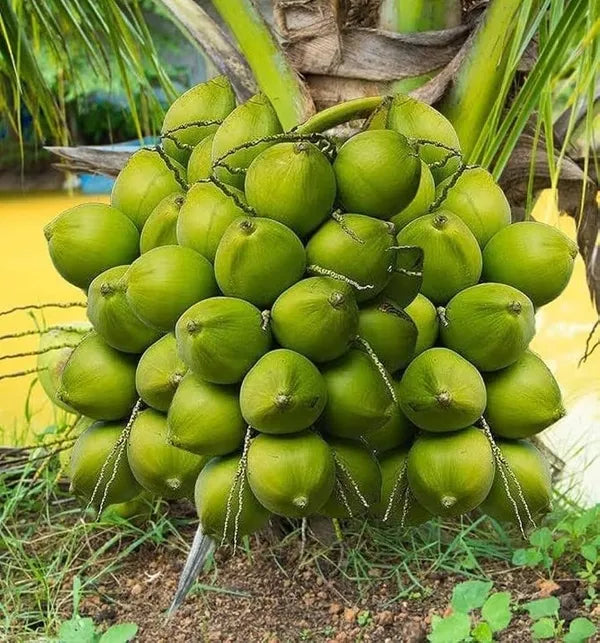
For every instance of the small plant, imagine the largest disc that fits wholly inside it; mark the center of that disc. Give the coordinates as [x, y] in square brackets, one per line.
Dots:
[364, 618]
[80, 629]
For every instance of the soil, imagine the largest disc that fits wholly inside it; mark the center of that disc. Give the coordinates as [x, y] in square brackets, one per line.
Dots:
[280, 594]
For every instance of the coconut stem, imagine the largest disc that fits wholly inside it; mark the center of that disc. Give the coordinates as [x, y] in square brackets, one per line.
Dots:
[380, 367]
[589, 347]
[169, 163]
[169, 134]
[319, 270]
[38, 331]
[342, 494]
[342, 113]
[338, 217]
[441, 313]
[397, 483]
[41, 351]
[337, 299]
[440, 221]
[351, 480]
[29, 371]
[238, 481]
[68, 304]
[266, 319]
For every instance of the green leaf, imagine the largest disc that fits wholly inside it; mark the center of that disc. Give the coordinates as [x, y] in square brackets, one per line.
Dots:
[483, 633]
[541, 538]
[542, 607]
[77, 630]
[590, 553]
[470, 595]
[76, 594]
[528, 557]
[559, 546]
[120, 633]
[543, 629]
[452, 629]
[496, 611]
[580, 630]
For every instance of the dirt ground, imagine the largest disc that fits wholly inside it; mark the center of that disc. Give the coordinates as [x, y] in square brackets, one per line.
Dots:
[268, 597]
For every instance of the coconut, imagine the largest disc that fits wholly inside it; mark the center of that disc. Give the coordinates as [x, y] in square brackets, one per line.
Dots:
[406, 277]
[394, 481]
[91, 452]
[159, 467]
[425, 317]
[135, 511]
[145, 180]
[88, 239]
[377, 173]
[166, 281]
[489, 324]
[292, 183]
[317, 317]
[452, 255]
[257, 259]
[534, 257]
[98, 381]
[357, 472]
[440, 391]
[531, 470]
[358, 400]
[282, 393]
[205, 215]
[64, 454]
[209, 101]
[479, 201]
[160, 228]
[398, 431]
[358, 248]
[50, 363]
[112, 317]
[205, 418]
[212, 494]
[221, 338]
[451, 473]
[522, 399]
[291, 475]
[199, 166]
[421, 201]
[390, 332]
[159, 372]
[253, 120]
[416, 119]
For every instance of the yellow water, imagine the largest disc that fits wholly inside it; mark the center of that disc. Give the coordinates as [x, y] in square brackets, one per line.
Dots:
[29, 277]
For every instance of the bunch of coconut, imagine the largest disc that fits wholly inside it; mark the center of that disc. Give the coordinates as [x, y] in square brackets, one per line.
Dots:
[286, 324]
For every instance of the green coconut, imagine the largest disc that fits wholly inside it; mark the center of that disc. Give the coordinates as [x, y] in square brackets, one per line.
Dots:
[282, 393]
[523, 399]
[56, 346]
[390, 332]
[165, 282]
[479, 201]
[398, 431]
[394, 481]
[531, 470]
[136, 511]
[291, 475]
[357, 472]
[159, 372]
[209, 101]
[418, 120]
[158, 466]
[358, 400]
[206, 213]
[257, 259]
[358, 248]
[221, 338]
[160, 228]
[317, 317]
[489, 324]
[452, 255]
[112, 316]
[145, 180]
[534, 257]
[451, 473]
[424, 315]
[205, 418]
[292, 183]
[91, 452]
[88, 239]
[377, 173]
[64, 455]
[98, 381]
[214, 492]
[250, 121]
[421, 201]
[406, 277]
[199, 165]
[440, 391]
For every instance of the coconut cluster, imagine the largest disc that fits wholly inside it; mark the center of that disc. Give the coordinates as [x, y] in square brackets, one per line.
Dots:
[286, 324]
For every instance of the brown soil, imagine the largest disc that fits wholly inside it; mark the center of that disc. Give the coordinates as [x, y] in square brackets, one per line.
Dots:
[269, 596]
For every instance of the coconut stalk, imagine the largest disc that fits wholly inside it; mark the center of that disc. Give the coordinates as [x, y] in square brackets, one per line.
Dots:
[414, 16]
[273, 71]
